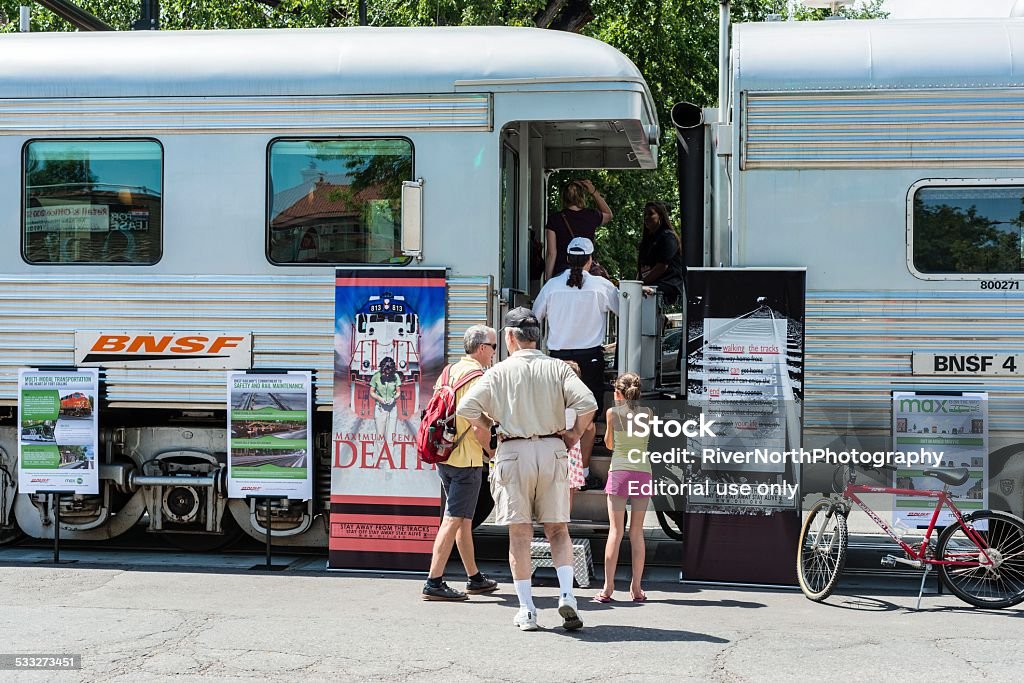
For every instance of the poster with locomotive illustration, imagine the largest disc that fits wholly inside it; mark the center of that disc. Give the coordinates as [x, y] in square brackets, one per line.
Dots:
[57, 431]
[745, 371]
[954, 424]
[389, 348]
[269, 445]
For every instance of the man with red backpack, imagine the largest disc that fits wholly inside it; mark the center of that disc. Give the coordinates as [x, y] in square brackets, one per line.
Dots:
[462, 473]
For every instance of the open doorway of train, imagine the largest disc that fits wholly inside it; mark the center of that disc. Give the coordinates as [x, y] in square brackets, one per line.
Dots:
[536, 157]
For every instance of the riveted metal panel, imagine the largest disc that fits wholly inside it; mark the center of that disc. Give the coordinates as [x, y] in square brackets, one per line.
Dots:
[469, 303]
[169, 115]
[859, 348]
[291, 319]
[969, 127]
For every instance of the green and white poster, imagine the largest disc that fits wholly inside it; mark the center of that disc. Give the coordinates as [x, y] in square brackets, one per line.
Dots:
[269, 446]
[58, 431]
[955, 425]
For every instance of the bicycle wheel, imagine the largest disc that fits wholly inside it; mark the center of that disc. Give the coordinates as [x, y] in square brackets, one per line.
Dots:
[822, 550]
[998, 585]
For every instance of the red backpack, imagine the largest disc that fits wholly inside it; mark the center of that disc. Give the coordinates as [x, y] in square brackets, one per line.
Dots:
[436, 437]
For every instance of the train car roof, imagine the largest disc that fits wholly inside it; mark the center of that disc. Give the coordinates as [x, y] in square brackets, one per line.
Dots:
[361, 60]
[918, 53]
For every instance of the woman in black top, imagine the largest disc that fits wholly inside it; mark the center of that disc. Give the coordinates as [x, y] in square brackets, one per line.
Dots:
[574, 220]
[660, 261]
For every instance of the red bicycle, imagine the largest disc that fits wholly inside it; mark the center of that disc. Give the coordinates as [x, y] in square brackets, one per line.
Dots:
[979, 557]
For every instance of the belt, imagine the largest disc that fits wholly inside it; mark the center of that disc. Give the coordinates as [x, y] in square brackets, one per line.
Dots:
[577, 353]
[522, 438]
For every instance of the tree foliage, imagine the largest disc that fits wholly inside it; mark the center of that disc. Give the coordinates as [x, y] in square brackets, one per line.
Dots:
[949, 239]
[674, 43]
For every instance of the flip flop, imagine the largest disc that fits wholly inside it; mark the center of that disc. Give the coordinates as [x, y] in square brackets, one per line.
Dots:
[603, 599]
[640, 598]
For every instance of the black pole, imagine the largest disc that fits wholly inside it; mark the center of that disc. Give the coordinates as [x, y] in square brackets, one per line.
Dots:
[362, 12]
[75, 15]
[56, 526]
[688, 120]
[149, 16]
[266, 528]
[254, 501]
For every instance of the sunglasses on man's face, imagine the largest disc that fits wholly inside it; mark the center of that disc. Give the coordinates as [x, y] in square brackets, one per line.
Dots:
[493, 346]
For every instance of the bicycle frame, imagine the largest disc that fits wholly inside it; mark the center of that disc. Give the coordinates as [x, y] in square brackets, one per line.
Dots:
[920, 554]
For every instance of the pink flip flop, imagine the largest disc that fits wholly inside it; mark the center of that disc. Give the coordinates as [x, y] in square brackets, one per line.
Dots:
[603, 599]
[640, 598]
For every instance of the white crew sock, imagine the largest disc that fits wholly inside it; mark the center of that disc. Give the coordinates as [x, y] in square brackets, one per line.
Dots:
[525, 594]
[565, 580]
[586, 472]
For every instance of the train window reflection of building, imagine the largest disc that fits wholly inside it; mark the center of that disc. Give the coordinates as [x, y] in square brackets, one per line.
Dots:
[119, 247]
[309, 247]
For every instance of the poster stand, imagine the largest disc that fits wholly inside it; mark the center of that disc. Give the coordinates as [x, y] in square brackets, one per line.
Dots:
[56, 525]
[268, 566]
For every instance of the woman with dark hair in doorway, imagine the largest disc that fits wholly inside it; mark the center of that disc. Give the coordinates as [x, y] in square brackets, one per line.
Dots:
[574, 220]
[660, 257]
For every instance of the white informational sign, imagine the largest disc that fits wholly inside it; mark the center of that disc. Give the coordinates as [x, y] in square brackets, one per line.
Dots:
[745, 372]
[58, 431]
[745, 367]
[955, 425]
[269, 427]
[968, 364]
[67, 218]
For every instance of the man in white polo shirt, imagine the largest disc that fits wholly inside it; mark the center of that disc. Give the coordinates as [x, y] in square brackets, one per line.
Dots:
[576, 306]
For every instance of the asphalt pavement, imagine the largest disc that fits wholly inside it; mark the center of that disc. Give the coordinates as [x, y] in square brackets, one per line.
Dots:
[150, 616]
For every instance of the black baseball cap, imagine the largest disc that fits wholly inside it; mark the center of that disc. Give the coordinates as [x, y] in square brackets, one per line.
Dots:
[521, 317]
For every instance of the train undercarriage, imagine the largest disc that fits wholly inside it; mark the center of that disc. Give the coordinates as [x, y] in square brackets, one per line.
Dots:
[172, 480]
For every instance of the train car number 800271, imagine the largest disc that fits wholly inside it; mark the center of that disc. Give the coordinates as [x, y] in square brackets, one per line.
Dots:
[1000, 284]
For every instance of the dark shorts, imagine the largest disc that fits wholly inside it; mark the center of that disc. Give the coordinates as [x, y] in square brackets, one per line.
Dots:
[461, 489]
[591, 362]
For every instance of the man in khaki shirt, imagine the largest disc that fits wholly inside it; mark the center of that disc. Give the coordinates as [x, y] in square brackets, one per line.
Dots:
[461, 476]
[528, 395]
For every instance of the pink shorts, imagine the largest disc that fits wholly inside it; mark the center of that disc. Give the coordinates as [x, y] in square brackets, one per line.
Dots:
[619, 483]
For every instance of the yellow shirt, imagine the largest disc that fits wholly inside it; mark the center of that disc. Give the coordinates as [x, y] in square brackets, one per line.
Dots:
[630, 453]
[624, 445]
[468, 453]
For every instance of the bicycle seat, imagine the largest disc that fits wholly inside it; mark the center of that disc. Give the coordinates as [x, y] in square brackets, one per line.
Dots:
[953, 477]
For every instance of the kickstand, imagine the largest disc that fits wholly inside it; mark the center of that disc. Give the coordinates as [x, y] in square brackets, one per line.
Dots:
[920, 592]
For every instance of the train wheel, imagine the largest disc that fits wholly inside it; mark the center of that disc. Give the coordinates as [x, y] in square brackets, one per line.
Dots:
[204, 543]
[11, 534]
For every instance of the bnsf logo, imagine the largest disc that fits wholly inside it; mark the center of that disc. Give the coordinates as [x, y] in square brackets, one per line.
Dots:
[184, 345]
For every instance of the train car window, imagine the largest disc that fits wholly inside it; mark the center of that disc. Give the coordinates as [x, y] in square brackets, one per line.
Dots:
[92, 202]
[968, 230]
[337, 201]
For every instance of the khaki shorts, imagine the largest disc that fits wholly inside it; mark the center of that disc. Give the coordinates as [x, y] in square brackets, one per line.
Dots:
[530, 481]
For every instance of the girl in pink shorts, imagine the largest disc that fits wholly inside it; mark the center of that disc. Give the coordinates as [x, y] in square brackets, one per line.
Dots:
[629, 478]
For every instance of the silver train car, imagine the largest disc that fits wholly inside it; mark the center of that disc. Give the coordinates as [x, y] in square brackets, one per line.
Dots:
[887, 158]
[165, 193]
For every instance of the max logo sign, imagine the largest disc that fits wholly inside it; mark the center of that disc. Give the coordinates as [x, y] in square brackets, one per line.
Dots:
[128, 349]
[913, 405]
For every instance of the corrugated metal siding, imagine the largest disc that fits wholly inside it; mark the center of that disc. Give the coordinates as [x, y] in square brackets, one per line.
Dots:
[859, 346]
[291, 318]
[968, 127]
[469, 303]
[161, 115]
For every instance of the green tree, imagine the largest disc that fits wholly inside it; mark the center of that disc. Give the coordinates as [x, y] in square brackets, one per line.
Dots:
[949, 239]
